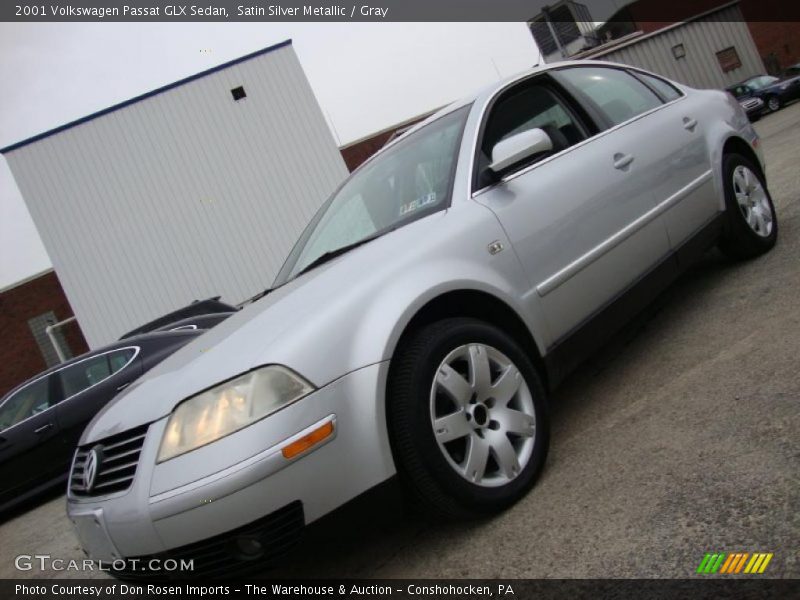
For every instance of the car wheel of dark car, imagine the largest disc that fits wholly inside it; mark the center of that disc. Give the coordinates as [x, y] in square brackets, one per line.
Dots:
[467, 418]
[774, 103]
[751, 227]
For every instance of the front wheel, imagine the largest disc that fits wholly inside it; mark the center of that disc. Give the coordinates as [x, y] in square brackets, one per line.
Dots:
[467, 420]
[751, 227]
[774, 103]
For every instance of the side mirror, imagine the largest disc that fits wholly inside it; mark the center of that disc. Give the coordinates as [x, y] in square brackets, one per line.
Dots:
[520, 146]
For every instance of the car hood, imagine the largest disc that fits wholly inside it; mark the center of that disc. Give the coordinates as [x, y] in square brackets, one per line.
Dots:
[277, 329]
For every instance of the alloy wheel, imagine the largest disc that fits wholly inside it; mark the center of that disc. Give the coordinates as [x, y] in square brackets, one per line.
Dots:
[482, 415]
[752, 200]
[774, 103]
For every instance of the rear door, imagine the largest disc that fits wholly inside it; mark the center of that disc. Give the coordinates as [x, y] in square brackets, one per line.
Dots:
[692, 201]
[672, 139]
[581, 219]
[30, 444]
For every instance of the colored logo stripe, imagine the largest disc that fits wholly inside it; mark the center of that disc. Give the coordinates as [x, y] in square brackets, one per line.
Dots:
[734, 562]
[758, 563]
[711, 563]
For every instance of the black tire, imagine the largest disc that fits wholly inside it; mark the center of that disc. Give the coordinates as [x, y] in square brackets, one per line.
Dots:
[774, 103]
[435, 486]
[739, 240]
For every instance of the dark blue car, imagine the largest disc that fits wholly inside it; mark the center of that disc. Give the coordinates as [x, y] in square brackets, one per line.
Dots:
[773, 91]
[42, 419]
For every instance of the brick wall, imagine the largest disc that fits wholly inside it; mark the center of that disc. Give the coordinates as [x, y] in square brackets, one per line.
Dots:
[781, 40]
[359, 152]
[20, 357]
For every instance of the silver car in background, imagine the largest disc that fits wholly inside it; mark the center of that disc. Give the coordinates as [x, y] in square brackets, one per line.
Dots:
[423, 316]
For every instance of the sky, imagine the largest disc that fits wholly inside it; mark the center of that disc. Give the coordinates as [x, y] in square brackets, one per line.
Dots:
[366, 76]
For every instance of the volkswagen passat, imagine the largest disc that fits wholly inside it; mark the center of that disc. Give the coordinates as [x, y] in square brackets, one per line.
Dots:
[424, 314]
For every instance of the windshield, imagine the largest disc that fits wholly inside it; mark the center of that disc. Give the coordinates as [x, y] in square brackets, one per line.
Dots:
[761, 82]
[408, 181]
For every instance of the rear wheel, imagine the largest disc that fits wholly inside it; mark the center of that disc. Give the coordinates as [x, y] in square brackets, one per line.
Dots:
[751, 226]
[466, 418]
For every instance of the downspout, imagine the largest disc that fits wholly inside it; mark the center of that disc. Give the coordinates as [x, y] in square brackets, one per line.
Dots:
[50, 331]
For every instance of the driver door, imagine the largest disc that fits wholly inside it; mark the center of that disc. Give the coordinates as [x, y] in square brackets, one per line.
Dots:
[30, 442]
[579, 218]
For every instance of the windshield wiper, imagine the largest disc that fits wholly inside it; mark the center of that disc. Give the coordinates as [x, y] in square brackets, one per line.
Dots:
[331, 254]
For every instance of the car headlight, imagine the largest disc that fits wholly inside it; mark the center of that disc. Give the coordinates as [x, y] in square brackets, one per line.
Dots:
[228, 407]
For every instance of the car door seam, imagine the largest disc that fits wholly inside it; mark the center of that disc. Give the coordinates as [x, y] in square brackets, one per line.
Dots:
[579, 264]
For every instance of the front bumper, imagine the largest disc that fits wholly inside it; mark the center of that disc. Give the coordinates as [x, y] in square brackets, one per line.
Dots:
[221, 556]
[234, 482]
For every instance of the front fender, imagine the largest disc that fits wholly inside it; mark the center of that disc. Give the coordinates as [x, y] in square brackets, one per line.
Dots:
[362, 322]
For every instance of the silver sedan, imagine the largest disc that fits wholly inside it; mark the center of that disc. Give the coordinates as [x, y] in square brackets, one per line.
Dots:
[423, 316]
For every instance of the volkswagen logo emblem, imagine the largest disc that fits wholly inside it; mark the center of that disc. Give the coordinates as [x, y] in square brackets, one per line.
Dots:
[91, 467]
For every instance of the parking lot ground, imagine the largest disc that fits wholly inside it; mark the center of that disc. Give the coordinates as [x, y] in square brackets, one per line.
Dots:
[681, 437]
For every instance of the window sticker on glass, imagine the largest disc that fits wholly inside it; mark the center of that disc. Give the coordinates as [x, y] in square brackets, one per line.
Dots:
[426, 200]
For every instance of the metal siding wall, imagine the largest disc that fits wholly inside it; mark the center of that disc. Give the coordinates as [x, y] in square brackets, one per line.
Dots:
[702, 39]
[184, 195]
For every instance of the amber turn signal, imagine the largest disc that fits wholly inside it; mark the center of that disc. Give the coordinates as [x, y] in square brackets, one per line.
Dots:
[307, 441]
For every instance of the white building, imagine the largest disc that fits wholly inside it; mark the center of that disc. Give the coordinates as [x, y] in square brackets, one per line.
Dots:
[193, 190]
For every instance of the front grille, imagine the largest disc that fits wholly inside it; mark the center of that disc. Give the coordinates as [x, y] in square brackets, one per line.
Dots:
[218, 557]
[116, 467]
[751, 103]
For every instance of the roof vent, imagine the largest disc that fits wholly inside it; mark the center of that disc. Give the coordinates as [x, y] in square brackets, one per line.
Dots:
[238, 93]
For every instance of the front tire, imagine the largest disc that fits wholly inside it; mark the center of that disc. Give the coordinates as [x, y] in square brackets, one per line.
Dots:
[467, 419]
[774, 103]
[751, 226]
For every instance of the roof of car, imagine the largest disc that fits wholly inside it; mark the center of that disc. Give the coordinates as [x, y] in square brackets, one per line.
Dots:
[744, 81]
[489, 90]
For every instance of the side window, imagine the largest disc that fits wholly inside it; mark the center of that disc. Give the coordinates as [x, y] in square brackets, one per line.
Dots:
[667, 91]
[30, 400]
[120, 358]
[617, 94]
[78, 377]
[528, 106]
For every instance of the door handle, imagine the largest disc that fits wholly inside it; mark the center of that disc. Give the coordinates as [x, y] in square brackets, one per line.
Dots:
[621, 161]
[123, 386]
[43, 428]
[689, 124]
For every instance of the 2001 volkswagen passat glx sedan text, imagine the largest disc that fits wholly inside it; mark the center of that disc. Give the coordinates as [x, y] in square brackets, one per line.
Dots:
[423, 315]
